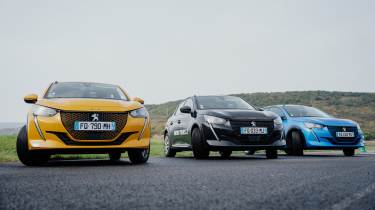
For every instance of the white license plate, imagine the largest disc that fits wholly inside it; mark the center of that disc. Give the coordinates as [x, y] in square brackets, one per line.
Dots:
[94, 126]
[345, 134]
[253, 130]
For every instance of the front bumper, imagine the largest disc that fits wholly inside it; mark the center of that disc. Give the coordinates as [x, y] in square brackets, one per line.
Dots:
[324, 139]
[54, 137]
[228, 144]
[219, 137]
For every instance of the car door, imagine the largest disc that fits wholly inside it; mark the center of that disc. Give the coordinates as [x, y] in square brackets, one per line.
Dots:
[179, 130]
[174, 125]
[186, 122]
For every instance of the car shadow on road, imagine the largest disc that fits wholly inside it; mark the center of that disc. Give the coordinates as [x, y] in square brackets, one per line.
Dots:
[323, 155]
[281, 157]
[86, 162]
[252, 157]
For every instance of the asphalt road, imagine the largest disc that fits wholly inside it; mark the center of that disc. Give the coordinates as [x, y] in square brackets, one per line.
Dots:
[318, 181]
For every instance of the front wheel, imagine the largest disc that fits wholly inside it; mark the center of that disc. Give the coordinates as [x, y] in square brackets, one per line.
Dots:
[297, 144]
[27, 157]
[168, 150]
[139, 156]
[349, 152]
[271, 154]
[198, 146]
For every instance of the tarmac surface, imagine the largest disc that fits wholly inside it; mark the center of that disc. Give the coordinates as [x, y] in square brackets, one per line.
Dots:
[314, 181]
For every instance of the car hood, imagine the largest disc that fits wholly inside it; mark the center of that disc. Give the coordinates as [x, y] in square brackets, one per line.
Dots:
[235, 114]
[105, 105]
[327, 121]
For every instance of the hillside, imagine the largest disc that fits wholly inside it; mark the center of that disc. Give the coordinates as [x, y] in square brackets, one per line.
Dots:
[359, 107]
[9, 128]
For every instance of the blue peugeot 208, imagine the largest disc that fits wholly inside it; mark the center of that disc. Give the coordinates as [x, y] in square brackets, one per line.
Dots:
[310, 128]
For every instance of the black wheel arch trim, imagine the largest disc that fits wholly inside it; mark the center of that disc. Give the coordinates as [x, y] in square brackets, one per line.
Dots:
[289, 132]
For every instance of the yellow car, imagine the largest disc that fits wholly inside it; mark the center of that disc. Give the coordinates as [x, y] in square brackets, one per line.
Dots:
[80, 117]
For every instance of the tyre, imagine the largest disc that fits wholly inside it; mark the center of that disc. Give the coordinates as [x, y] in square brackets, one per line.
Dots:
[139, 156]
[271, 154]
[349, 152]
[168, 150]
[297, 144]
[250, 152]
[199, 147]
[115, 156]
[27, 157]
[225, 154]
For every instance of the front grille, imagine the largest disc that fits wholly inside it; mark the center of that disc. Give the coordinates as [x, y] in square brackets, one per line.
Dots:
[341, 140]
[239, 138]
[65, 138]
[68, 119]
[237, 124]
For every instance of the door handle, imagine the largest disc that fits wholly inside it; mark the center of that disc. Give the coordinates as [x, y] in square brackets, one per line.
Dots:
[179, 121]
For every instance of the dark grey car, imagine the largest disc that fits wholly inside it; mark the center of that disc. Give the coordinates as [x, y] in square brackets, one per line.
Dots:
[221, 123]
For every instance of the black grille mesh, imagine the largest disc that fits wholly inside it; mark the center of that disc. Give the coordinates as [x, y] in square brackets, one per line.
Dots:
[334, 129]
[68, 119]
[254, 139]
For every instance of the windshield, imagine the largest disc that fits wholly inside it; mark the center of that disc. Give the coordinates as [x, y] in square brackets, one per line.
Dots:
[222, 102]
[85, 90]
[304, 111]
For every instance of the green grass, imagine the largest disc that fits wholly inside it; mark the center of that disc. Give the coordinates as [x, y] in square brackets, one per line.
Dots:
[8, 150]
[370, 146]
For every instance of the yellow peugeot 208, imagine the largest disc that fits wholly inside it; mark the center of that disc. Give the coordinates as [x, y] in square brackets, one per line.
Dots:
[80, 117]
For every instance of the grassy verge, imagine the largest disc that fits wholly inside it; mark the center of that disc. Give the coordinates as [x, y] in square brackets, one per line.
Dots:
[8, 150]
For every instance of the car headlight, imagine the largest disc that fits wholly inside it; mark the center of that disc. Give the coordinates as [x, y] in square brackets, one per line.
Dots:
[278, 121]
[313, 125]
[216, 120]
[139, 113]
[43, 111]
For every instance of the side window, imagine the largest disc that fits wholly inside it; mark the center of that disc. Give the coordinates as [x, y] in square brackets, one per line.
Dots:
[277, 111]
[280, 112]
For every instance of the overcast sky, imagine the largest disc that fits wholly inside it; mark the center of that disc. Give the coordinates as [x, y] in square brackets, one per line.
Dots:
[167, 50]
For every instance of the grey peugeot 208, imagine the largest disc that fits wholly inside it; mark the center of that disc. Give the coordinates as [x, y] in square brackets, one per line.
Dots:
[224, 124]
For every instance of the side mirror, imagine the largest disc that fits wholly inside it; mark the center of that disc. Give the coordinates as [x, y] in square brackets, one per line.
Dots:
[141, 101]
[283, 118]
[185, 109]
[31, 98]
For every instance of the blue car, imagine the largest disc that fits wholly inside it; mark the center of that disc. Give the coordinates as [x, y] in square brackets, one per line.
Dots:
[310, 128]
